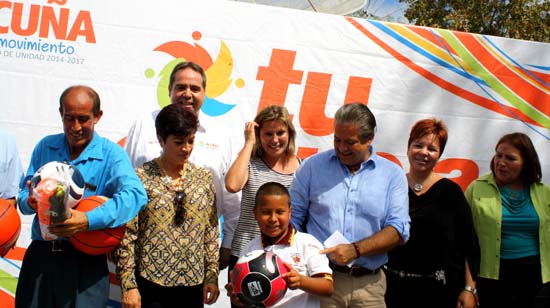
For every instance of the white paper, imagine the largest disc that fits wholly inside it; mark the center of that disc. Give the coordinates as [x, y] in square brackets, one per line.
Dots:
[335, 239]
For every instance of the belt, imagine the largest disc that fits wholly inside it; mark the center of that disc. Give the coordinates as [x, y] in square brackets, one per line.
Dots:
[439, 275]
[355, 271]
[56, 246]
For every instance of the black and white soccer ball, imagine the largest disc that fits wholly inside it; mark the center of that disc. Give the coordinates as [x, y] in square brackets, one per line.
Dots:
[64, 173]
[257, 278]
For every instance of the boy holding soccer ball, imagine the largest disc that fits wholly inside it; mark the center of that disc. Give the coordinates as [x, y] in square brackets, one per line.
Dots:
[309, 275]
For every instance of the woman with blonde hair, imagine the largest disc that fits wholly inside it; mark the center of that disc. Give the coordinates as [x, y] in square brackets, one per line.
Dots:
[267, 156]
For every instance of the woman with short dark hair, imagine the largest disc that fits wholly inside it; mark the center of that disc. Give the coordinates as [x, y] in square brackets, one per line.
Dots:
[170, 250]
[433, 268]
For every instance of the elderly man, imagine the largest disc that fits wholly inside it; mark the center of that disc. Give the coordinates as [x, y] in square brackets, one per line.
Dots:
[54, 273]
[351, 190]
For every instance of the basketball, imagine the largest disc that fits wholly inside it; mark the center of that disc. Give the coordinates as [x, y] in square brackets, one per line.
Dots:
[96, 242]
[10, 226]
[257, 278]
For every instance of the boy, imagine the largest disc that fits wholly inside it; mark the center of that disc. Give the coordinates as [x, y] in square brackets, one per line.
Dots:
[309, 273]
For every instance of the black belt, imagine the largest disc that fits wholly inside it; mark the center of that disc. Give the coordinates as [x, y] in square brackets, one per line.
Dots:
[355, 271]
[55, 246]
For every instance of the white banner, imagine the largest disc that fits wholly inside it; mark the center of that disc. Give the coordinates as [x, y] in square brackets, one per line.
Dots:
[254, 56]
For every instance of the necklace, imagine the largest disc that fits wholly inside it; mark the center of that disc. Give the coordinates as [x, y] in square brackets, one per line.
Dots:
[417, 187]
[167, 178]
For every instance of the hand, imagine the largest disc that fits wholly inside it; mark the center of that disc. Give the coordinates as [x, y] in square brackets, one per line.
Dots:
[250, 132]
[232, 296]
[341, 254]
[31, 199]
[225, 254]
[210, 293]
[131, 299]
[78, 222]
[467, 299]
[292, 277]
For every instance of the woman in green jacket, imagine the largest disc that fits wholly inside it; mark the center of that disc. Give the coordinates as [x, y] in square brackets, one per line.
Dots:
[511, 212]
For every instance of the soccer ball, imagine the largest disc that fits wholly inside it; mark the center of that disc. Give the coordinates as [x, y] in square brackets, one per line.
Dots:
[257, 278]
[64, 173]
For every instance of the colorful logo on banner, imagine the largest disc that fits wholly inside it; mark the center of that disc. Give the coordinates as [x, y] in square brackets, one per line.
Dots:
[513, 89]
[218, 73]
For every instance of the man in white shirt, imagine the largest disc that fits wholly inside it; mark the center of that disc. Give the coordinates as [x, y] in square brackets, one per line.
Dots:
[213, 149]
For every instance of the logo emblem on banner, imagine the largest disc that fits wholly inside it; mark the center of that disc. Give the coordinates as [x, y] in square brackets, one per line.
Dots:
[218, 73]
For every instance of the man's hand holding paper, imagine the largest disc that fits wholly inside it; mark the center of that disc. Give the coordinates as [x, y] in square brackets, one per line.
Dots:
[339, 249]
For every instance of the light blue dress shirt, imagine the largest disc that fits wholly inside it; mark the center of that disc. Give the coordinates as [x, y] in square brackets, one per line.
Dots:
[107, 171]
[358, 205]
[11, 170]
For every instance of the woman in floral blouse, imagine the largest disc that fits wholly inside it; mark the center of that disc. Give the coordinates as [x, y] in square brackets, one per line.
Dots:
[170, 250]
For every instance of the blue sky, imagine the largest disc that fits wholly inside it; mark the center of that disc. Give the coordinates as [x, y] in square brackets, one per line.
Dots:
[392, 9]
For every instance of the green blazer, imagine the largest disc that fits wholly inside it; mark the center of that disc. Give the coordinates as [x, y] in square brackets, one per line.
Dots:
[484, 199]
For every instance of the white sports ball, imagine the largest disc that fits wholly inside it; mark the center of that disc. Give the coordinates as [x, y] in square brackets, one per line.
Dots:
[62, 172]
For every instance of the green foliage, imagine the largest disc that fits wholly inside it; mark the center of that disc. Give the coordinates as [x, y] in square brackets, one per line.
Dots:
[519, 19]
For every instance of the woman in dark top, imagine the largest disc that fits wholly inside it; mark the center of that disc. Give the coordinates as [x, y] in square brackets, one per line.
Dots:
[436, 267]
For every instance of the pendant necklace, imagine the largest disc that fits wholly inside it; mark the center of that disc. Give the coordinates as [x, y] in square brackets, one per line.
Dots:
[167, 178]
[417, 187]
[164, 175]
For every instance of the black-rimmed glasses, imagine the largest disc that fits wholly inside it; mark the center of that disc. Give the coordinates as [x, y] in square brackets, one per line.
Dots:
[179, 207]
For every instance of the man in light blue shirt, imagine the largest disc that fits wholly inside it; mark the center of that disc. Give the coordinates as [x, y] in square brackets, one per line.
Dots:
[54, 273]
[363, 196]
[10, 167]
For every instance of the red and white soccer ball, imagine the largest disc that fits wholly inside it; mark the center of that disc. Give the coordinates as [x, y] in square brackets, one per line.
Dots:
[257, 278]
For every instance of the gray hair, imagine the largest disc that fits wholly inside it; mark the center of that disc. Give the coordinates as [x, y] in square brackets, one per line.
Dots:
[360, 115]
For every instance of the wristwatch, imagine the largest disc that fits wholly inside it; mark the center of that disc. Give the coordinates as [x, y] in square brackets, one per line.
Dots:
[470, 289]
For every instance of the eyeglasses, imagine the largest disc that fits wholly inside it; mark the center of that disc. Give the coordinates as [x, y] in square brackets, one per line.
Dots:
[179, 207]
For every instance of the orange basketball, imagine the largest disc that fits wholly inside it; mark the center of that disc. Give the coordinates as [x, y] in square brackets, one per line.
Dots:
[96, 242]
[10, 226]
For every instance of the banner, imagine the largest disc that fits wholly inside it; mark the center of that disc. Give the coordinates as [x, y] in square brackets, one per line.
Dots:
[481, 86]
